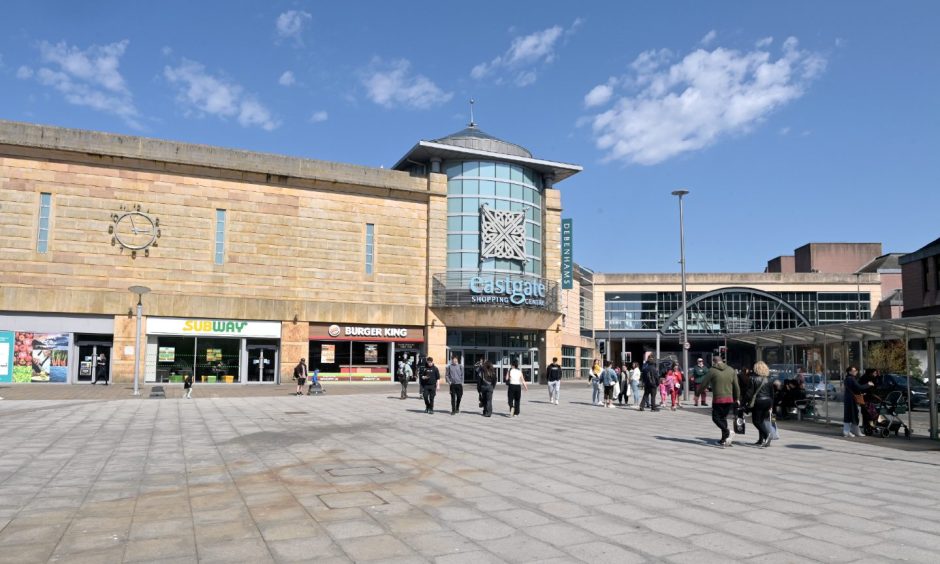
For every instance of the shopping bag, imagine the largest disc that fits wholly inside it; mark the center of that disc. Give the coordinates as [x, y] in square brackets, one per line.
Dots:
[739, 426]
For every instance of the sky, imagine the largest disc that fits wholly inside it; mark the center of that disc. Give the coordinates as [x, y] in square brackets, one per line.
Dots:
[788, 122]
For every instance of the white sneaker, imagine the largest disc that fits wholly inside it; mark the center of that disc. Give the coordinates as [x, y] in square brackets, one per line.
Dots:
[848, 435]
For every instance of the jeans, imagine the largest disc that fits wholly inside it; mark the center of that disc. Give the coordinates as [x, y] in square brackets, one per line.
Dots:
[635, 388]
[404, 388]
[760, 415]
[720, 413]
[649, 397]
[553, 390]
[595, 391]
[486, 398]
[428, 395]
[515, 397]
[456, 394]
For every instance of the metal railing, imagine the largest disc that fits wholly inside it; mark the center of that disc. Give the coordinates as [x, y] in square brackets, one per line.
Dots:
[490, 289]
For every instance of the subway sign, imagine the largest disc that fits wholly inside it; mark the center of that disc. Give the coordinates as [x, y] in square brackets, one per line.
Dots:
[506, 291]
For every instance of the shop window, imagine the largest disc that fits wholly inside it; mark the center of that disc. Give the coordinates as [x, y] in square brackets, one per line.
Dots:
[217, 360]
[175, 358]
[370, 248]
[219, 236]
[45, 209]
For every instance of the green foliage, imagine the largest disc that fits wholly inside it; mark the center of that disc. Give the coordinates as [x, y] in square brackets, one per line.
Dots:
[889, 357]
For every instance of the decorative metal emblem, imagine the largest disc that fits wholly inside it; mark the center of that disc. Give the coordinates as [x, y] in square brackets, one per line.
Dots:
[134, 230]
[502, 234]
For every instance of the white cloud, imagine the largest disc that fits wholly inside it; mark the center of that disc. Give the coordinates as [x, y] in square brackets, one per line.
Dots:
[709, 37]
[89, 77]
[287, 79]
[765, 42]
[166, 50]
[784, 130]
[674, 107]
[319, 117]
[290, 24]
[599, 95]
[391, 85]
[524, 53]
[202, 93]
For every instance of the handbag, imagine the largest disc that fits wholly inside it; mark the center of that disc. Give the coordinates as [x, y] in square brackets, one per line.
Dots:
[774, 435]
[739, 426]
[859, 399]
[616, 389]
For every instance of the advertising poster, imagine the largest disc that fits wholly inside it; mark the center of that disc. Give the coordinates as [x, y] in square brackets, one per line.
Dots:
[213, 355]
[166, 354]
[372, 353]
[41, 357]
[6, 356]
[328, 354]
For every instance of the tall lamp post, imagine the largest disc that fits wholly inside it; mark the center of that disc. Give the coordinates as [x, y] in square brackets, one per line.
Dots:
[685, 335]
[140, 291]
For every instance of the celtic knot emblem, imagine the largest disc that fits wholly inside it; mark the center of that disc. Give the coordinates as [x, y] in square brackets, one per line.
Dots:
[502, 234]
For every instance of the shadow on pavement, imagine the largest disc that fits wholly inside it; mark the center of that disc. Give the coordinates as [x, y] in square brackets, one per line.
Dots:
[700, 441]
[805, 447]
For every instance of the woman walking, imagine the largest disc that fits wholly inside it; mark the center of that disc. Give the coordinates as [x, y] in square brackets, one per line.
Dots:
[516, 385]
[673, 383]
[487, 383]
[852, 398]
[760, 401]
[595, 376]
[635, 382]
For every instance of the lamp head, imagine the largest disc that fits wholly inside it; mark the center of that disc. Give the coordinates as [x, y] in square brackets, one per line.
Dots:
[680, 193]
[139, 290]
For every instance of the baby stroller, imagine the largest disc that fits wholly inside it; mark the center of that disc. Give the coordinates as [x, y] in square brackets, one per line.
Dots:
[315, 388]
[885, 416]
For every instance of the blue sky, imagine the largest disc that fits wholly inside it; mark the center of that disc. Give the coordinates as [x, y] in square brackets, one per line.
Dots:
[790, 122]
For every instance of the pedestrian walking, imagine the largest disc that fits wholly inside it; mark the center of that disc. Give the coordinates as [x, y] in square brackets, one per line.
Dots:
[650, 379]
[760, 398]
[662, 390]
[430, 379]
[674, 384]
[188, 386]
[453, 375]
[487, 385]
[300, 374]
[697, 374]
[595, 376]
[101, 369]
[405, 373]
[608, 379]
[553, 376]
[852, 399]
[516, 385]
[635, 382]
[724, 382]
[623, 393]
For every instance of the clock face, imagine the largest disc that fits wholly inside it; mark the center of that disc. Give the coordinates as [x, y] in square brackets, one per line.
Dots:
[135, 230]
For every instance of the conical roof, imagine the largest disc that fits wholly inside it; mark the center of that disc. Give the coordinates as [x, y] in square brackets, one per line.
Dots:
[473, 138]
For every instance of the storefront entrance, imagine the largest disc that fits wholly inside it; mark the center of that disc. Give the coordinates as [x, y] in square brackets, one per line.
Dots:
[501, 360]
[262, 364]
[91, 368]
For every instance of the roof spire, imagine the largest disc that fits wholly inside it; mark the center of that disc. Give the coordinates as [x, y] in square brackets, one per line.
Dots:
[471, 124]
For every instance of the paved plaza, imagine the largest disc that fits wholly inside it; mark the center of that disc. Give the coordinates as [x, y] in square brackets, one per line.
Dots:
[351, 478]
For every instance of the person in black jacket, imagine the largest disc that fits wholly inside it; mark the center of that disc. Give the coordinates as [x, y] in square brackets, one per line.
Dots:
[430, 379]
[759, 398]
[650, 381]
[487, 382]
[553, 375]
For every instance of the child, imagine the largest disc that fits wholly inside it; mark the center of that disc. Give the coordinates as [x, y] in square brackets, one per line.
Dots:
[314, 381]
[188, 386]
[662, 390]
[673, 383]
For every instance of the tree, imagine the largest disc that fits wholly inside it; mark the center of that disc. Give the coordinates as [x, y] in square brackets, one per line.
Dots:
[891, 357]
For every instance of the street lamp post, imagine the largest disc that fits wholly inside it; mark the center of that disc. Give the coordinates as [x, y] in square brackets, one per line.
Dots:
[140, 291]
[685, 335]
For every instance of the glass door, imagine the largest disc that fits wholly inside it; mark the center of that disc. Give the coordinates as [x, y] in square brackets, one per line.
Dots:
[94, 363]
[262, 364]
[470, 359]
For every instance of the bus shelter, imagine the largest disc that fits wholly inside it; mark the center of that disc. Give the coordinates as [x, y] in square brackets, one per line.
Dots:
[861, 334]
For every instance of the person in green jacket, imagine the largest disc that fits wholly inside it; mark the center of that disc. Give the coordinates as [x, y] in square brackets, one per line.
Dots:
[725, 396]
[698, 373]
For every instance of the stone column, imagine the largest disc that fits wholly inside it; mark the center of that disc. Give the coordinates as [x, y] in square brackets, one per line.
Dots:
[295, 345]
[436, 263]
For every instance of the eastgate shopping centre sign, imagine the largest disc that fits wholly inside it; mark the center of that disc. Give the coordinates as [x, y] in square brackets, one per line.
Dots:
[506, 291]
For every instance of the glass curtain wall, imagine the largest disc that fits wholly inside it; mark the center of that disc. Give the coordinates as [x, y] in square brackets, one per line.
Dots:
[503, 187]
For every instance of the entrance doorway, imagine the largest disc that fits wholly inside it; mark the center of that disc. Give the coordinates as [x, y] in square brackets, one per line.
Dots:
[91, 368]
[501, 358]
[262, 364]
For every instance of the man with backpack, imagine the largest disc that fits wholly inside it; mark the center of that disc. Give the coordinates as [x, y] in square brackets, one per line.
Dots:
[404, 375]
[553, 375]
[650, 381]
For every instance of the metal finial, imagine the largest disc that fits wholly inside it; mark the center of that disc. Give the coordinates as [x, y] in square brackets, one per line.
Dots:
[472, 123]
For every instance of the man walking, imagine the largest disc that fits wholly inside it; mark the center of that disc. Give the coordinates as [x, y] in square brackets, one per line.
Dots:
[300, 374]
[650, 380]
[404, 375]
[430, 379]
[553, 375]
[454, 376]
[727, 393]
[698, 373]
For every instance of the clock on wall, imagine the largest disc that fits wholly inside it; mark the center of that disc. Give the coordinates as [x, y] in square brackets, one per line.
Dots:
[134, 230]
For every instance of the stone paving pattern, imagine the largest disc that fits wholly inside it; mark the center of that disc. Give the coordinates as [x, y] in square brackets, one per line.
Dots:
[352, 478]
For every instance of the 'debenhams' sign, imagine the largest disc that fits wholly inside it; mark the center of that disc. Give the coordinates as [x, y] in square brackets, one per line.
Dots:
[213, 327]
[506, 291]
